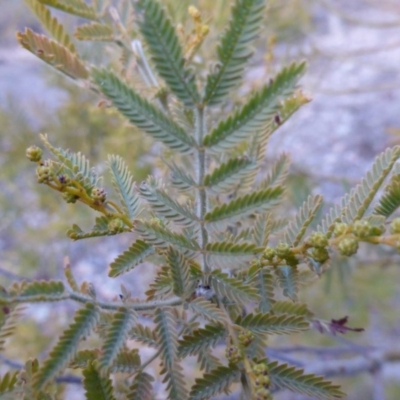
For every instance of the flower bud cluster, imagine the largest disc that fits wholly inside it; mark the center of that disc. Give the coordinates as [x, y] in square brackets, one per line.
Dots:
[233, 355]
[261, 382]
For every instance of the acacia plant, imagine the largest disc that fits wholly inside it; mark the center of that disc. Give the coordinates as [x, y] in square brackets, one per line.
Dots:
[229, 259]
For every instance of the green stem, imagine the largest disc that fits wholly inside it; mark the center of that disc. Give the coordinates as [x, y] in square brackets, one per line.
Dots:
[201, 195]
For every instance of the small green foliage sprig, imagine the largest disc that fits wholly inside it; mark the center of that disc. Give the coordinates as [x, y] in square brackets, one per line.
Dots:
[224, 250]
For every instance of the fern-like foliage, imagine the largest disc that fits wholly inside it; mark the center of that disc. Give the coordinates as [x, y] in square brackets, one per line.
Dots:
[296, 228]
[234, 49]
[124, 185]
[288, 277]
[8, 384]
[256, 113]
[390, 200]
[100, 229]
[95, 31]
[205, 309]
[286, 377]
[278, 172]
[130, 258]
[74, 7]
[258, 201]
[123, 320]
[97, 386]
[51, 24]
[67, 346]
[168, 344]
[141, 388]
[263, 280]
[8, 322]
[144, 335]
[166, 51]
[180, 272]
[142, 113]
[53, 53]
[214, 382]
[40, 291]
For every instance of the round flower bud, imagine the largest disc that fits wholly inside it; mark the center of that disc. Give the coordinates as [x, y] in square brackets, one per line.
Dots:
[260, 369]
[340, 229]
[70, 198]
[282, 250]
[318, 239]
[64, 180]
[395, 226]
[245, 338]
[116, 225]
[269, 253]
[34, 153]
[362, 229]
[262, 393]
[262, 380]
[233, 354]
[98, 195]
[319, 254]
[43, 173]
[348, 246]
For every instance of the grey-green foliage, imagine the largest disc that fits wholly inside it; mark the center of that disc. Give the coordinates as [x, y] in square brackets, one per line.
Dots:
[224, 248]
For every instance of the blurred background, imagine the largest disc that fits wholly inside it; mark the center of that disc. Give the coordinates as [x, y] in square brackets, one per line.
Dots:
[353, 52]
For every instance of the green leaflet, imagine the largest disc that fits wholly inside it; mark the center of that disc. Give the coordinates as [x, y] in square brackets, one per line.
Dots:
[67, 346]
[206, 309]
[201, 340]
[263, 280]
[124, 185]
[142, 113]
[234, 49]
[180, 178]
[95, 31]
[288, 277]
[261, 230]
[97, 387]
[390, 200]
[166, 51]
[130, 258]
[227, 255]
[271, 324]
[214, 382]
[229, 176]
[254, 116]
[127, 361]
[287, 307]
[123, 320]
[296, 228]
[158, 235]
[287, 377]
[167, 337]
[8, 384]
[141, 388]
[144, 335]
[8, 322]
[75, 7]
[164, 205]
[241, 207]
[51, 24]
[100, 229]
[180, 273]
[278, 173]
[233, 289]
[207, 361]
[41, 291]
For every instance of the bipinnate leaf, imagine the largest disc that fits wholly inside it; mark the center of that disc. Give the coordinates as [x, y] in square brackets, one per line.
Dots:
[167, 336]
[97, 386]
[67, 345]
[126, 361]
[234, 49]
[83, 358]
[271, 324]
[256, 114]
[142, 113]
[235, 290]
[278, 172]
[180, 272]
[124, 185]
[164, 205]
[130, 258]
[263, 280]
[166, 51]
[51, 24]
[229, 176]
[207, 361]
[287, 377]
[122, 321]
[144, 335]
[95, 31]
[201, 340]
[74, 7]
[41, 291]
[214, 382]
[53, 53]
[158, 235]
[259, 201]
[390, 200]
[289, 308]
[141, 388]
[297, 227]
[288, 278]
[227, 255]
[261, 229]
[206, 309]
[9, 318]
